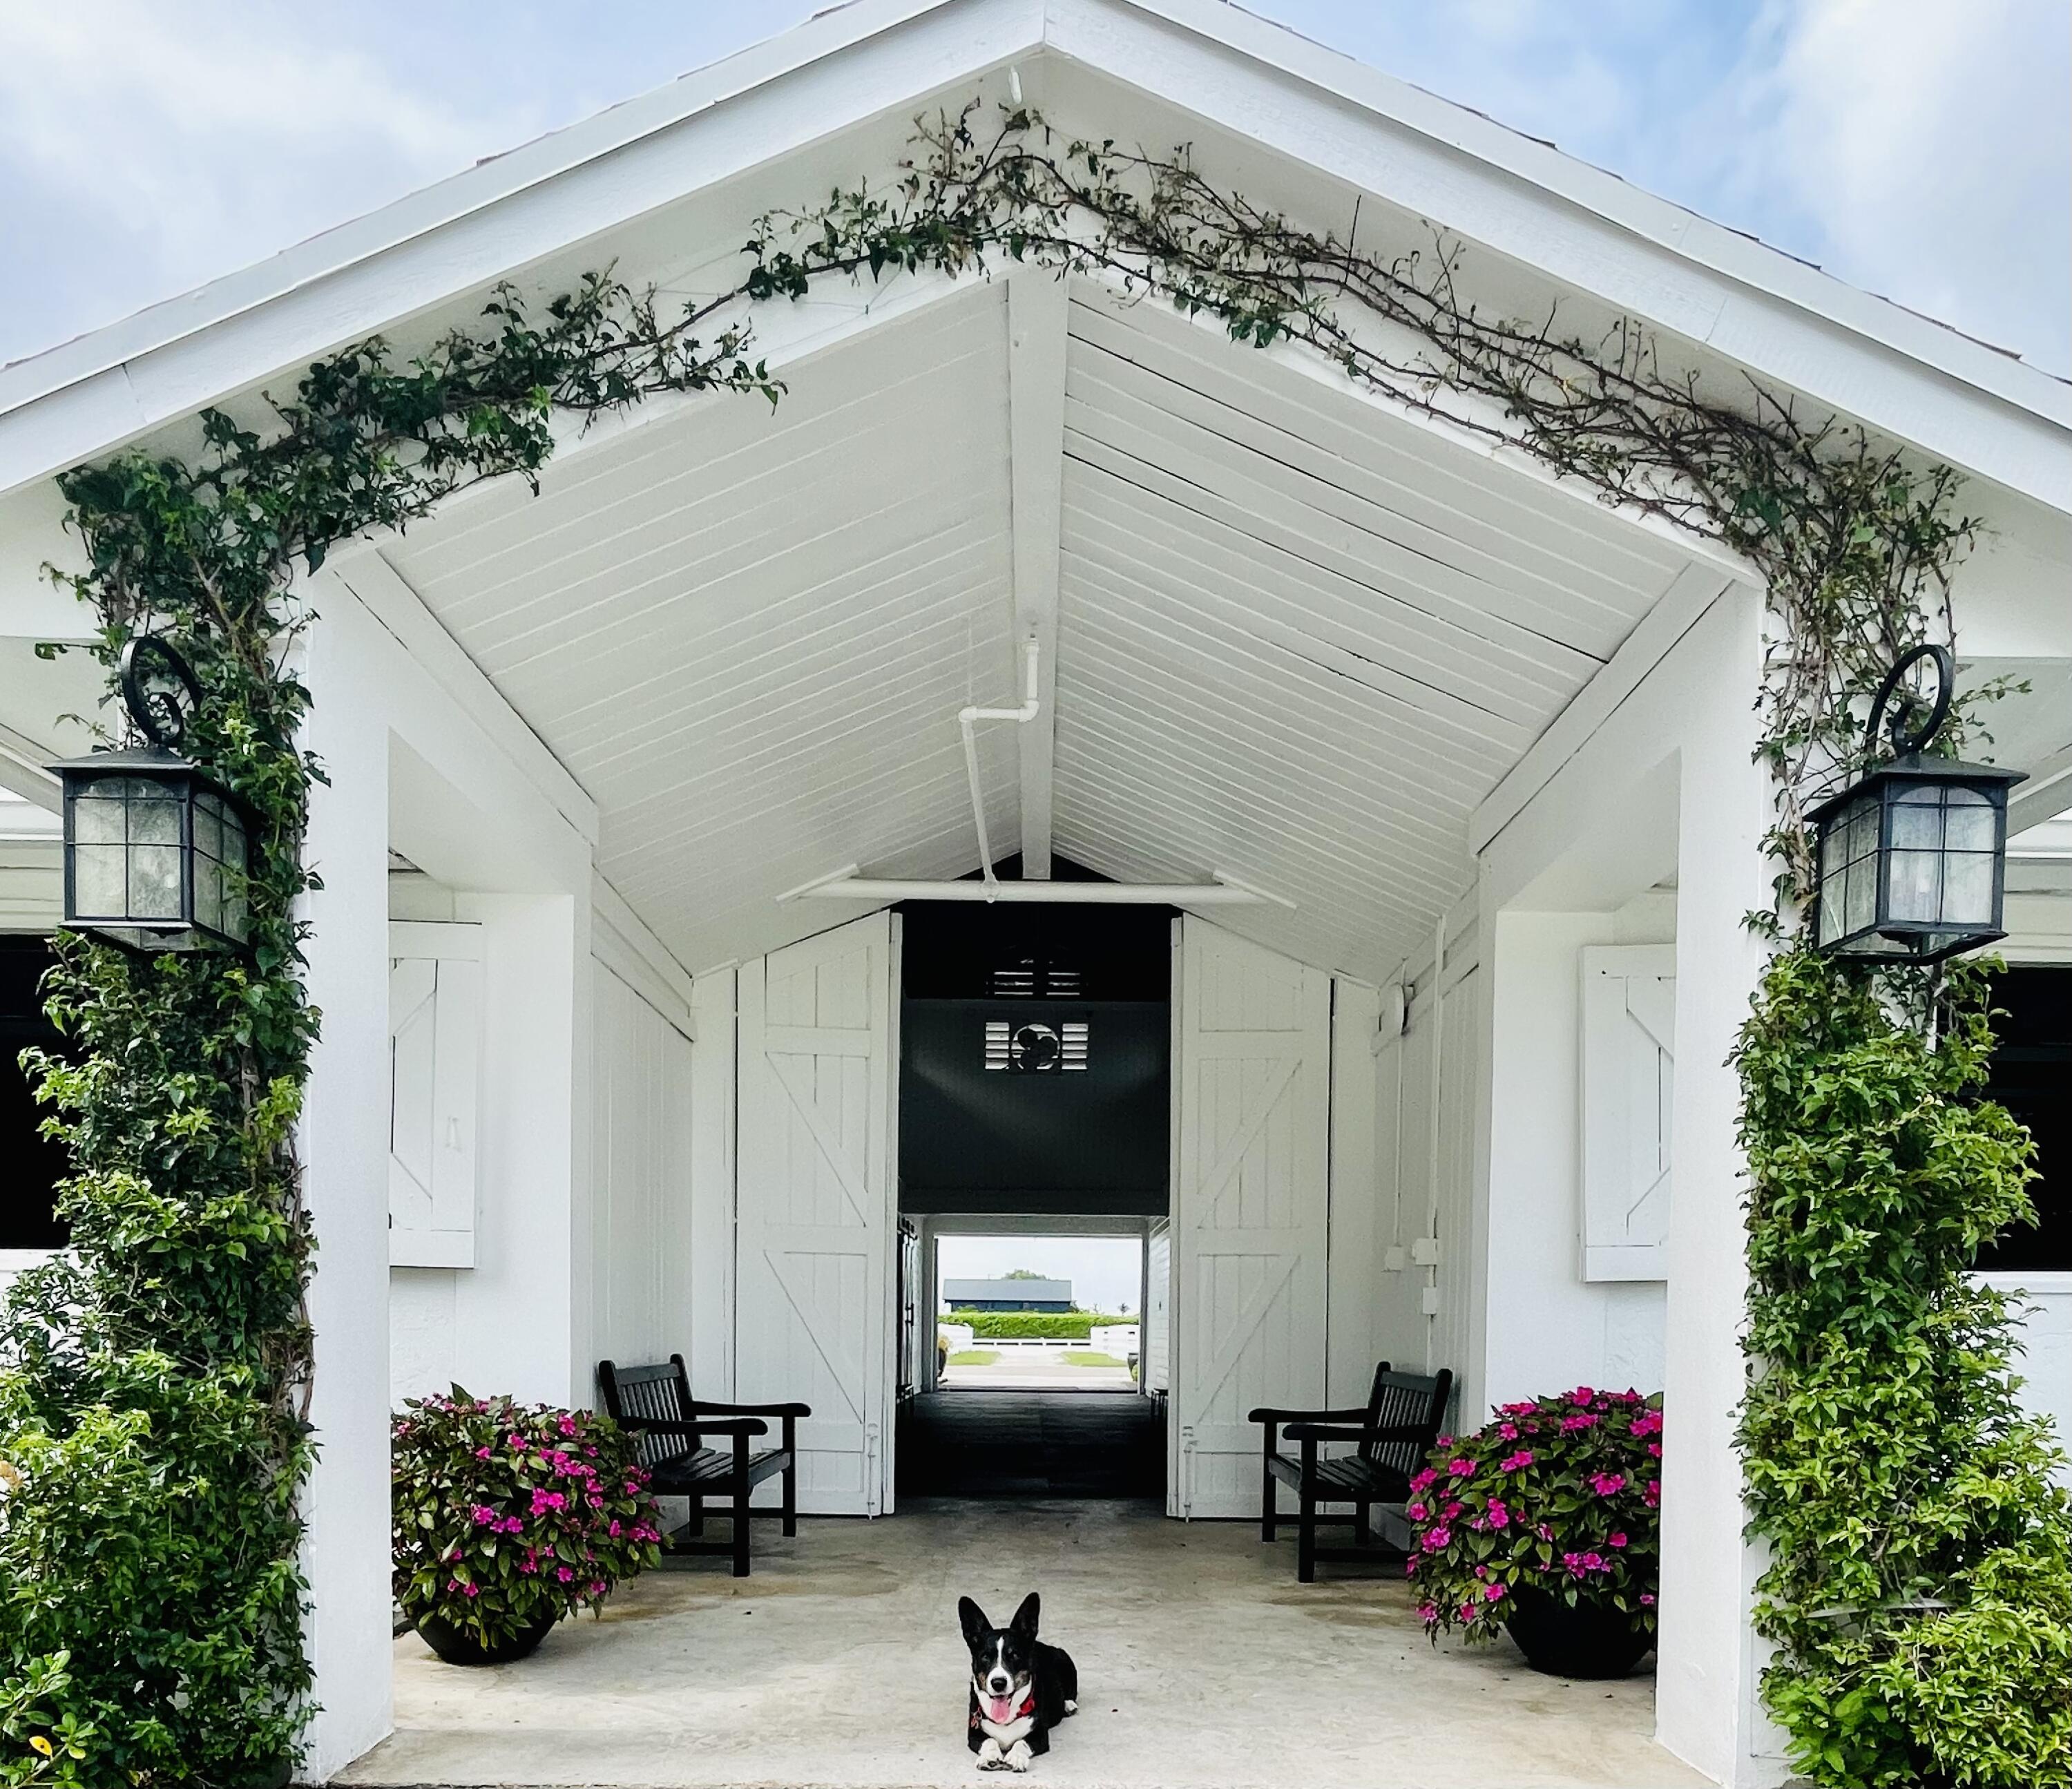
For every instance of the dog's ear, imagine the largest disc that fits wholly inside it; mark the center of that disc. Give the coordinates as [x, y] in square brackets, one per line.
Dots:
[1024, 1617]
[975, 1625]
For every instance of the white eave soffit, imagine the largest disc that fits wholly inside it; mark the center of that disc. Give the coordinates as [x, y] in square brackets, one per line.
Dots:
[1906, 376]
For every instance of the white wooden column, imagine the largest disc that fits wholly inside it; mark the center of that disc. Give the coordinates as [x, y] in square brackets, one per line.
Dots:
[1706, 1706]
[344, 1148]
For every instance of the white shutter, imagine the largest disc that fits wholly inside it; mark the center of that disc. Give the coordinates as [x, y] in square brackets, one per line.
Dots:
[1628, 1077]
[1251, 1209]
[434, 1090]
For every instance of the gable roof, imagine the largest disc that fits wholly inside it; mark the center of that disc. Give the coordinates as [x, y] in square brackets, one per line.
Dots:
[1318, 110]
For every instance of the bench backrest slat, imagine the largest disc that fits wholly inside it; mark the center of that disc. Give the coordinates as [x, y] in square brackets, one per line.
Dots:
[660, 1393]
[1405, 1401]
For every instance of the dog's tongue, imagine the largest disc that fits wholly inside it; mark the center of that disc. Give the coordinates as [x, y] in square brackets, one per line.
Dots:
[1000, 1709]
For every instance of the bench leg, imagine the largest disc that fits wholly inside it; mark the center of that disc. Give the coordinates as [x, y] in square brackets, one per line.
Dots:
[698, 1522]
[792, 1499]
[1269, 1499]
[1306, 1544]
[741, 1526]
[1363, 1534]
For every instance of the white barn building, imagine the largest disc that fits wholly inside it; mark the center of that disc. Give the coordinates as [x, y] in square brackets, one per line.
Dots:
[1444, 765]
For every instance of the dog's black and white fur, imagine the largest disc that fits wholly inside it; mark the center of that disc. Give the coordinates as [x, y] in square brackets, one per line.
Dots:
[1020, 1688]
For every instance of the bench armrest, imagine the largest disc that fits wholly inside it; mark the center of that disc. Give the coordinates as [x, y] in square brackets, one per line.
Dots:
[1325, 1432]
[716, 1425]
[793, 1410]
[1266, 1413]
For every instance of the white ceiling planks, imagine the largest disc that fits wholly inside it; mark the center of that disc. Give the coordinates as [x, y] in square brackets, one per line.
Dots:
[1299, 637]
[747, 634]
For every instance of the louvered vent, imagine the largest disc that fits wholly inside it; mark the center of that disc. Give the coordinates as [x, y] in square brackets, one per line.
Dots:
[1036, 1048]
[1015, 981]
[1032, 978]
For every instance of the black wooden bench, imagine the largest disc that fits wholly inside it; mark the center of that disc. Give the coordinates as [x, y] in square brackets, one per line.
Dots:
[1392, 1436]
[654, 1404]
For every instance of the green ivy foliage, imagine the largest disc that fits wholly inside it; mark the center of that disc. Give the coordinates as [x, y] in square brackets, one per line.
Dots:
[1920, 1581]
[155, 1381]
[1854, 540]
[176, 1341]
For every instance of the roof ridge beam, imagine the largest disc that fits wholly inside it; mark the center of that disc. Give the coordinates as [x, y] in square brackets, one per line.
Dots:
[1038, 311]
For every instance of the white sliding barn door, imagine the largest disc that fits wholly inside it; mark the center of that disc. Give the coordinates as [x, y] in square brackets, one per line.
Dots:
[1250, 1204]
[814, 1222]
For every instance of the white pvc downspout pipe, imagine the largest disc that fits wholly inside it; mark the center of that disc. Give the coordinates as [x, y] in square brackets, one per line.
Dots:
[968, 719]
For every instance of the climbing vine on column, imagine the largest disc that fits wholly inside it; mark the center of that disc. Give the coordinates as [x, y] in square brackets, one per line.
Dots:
[1919, 1595]
[153, 1406]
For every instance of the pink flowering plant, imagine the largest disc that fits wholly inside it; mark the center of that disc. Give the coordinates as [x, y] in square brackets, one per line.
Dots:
[1557, 1494]
[505, 1512]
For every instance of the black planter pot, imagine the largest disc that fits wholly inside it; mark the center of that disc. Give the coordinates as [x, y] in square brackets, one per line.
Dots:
[458, 1648]
[1590, 1640]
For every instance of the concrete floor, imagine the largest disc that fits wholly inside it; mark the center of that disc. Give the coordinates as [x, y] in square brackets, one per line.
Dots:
[1201, 1663]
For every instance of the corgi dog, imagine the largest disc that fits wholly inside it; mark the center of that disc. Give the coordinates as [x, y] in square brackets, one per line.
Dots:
[1020, 1688]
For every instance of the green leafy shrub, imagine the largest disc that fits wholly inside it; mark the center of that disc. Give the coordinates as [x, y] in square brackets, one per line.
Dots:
[1920, 1582]
[1559, 1495]
[1031, 1326]
[155, 1385]
[505, 1513]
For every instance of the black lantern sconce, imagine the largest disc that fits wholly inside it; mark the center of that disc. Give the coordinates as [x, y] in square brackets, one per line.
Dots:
[1912, 857]
[156, 851]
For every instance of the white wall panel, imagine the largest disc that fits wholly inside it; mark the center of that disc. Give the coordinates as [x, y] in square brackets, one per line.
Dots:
[1547, 1327]
[713, 1071]
[641, 1140]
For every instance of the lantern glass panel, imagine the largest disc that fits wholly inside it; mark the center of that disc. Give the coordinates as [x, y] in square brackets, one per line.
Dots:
[154, 884]
[99, 879]
[208, 893]
[1972, 822]
[1967, 890]
[100, 818]
[1917, 820]
[1913, 886]
[155, 814]
[1848, 869]
[219, 860]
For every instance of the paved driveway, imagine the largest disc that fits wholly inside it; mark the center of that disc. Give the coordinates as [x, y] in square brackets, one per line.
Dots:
[1045, 1369]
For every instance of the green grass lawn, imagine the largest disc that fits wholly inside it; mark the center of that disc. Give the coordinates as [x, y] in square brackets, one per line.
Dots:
[975, 1357]
[1086, 1357]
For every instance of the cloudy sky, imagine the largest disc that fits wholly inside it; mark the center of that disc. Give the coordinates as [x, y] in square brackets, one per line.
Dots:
[1920, 148]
